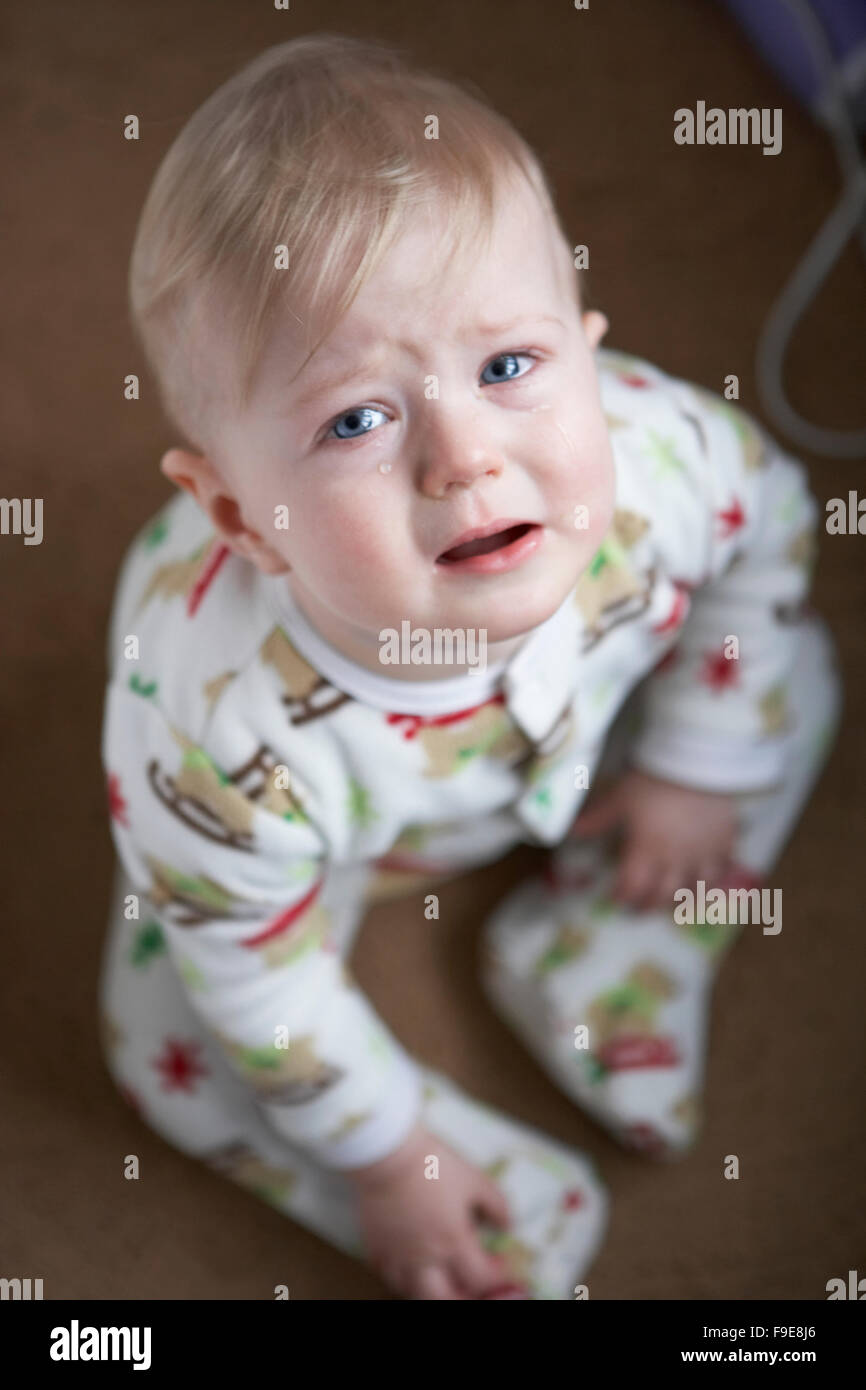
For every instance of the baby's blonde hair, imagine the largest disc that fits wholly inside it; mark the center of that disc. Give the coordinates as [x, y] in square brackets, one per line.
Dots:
[321, 145]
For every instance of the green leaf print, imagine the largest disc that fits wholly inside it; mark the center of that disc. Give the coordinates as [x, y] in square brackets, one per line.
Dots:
[495, 1242]
[790, 508]
[663, 450]
[553, 1165]
[598, 562]
[301, 870]
[202, 890]
[137, 685]
[361, 812]
[197, 758]
[156, 535]
[476, 749]
[595, 1070]
[610, 552]
[602, 908]
[191, 974]
[261, 1058]
[149, 942]
[627, 998]
[497, 1168]
[711, 937]
[555, 956]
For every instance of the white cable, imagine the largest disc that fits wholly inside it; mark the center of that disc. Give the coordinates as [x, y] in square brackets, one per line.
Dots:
[848, 216]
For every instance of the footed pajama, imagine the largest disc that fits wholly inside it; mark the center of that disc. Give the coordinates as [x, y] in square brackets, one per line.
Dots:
[264, 790]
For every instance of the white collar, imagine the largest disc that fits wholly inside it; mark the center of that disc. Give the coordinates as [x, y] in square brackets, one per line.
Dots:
[536, 670]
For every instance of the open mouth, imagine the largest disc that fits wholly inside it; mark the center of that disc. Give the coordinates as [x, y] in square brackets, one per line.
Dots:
[486, 545]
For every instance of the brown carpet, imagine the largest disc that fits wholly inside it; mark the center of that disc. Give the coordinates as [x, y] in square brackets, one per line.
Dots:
[688, 248]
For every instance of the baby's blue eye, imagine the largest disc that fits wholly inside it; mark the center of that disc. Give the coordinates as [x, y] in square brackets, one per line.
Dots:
[360, 421]
[504, 366]
[356, 422]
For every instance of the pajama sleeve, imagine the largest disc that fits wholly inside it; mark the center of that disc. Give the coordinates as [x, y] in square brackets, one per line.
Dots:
[737, 526]
[238, 879]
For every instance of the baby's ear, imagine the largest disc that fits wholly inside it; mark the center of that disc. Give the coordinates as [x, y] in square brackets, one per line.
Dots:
[201, 480]
[190, 471]
[595, 325]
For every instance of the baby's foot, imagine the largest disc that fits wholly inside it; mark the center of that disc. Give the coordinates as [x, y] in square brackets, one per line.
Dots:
[612, 1002]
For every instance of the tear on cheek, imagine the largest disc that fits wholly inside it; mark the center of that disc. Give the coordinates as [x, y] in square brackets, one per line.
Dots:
[565, 435]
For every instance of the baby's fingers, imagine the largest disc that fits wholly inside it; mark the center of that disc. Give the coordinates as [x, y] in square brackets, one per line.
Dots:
[435, 1282]
[490, 1203]
[477, 1271]
[714, 872]
[671, 878]
[637, 878]
[602, 813]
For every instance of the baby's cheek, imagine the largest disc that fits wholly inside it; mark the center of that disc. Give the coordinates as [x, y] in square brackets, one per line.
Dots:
[355, 550]
[591, 503]
[600, 486]
[575, 456]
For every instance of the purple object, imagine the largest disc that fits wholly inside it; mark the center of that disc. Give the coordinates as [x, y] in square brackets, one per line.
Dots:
[781, 32]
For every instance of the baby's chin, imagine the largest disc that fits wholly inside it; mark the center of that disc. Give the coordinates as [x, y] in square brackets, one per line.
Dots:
[504, 616]
[513, 623]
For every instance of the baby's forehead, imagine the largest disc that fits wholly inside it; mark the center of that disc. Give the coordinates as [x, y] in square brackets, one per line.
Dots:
[430, 266]
[519, 225]
[435, 281]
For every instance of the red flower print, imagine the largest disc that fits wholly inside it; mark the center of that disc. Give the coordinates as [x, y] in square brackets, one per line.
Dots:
[572, 1200]
[179, 1065]
[719, 671]
[116, 803]
[630, 1052]
[732, 519]
[630, 379]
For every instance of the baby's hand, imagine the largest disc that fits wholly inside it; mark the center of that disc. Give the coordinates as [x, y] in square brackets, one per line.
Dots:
[421, 1233]
[673, 836]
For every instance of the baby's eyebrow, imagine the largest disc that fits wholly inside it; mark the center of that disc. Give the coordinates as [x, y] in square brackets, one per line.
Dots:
[372, 365]
[495, 330]
[333, 383]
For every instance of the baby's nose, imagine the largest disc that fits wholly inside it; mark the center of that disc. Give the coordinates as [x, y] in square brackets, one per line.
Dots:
[455, 457]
